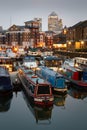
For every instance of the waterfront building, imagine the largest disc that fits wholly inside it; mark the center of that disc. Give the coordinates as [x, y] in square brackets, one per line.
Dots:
[25, 36]
[49, 38]
[59, 41]
[2, 37]
[30, 35]
[41, 40]
[77, 36]
[14, 35]
[33, 26]
[39, 20]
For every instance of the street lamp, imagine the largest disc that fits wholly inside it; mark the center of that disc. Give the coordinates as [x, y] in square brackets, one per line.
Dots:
[82, 44]
[65, 30]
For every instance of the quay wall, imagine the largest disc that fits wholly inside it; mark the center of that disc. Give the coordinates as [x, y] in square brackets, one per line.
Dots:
[67, 54]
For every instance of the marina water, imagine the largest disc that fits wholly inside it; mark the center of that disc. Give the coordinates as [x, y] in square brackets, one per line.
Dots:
[68, 113]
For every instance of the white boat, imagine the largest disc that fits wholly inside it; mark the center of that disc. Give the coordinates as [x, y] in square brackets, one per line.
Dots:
[77, 62]
[68, 63]
[10, 53]
[81, 62]
[30, 62]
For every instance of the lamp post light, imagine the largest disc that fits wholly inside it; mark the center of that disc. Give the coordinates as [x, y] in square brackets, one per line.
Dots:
[65, 30]
[82, 44]
[69, 45]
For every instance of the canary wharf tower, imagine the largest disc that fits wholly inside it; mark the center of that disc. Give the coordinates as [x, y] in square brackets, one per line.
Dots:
[54, 23]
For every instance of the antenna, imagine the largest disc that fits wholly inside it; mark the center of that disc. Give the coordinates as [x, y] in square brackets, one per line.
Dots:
[10, 20]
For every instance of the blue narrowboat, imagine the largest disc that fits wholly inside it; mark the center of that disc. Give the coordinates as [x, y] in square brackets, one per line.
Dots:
[57, 80]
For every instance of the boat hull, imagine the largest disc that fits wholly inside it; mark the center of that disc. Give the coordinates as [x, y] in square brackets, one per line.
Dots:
[80, 84]
[5, 80]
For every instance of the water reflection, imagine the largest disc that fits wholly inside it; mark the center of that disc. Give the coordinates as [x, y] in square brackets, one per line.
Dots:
[5, 101]
[42, 115]
[78, 94]
[59, 100]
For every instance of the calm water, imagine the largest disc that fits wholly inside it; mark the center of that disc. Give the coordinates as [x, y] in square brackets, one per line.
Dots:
[68, 113]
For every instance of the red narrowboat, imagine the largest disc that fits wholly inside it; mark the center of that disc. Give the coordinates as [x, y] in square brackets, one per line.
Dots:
[37, 89]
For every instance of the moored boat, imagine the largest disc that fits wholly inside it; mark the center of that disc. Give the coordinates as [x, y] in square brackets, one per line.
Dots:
[81, 62]
[75, 75]
[30, 61]
[5, 80]
[53, 62]
[37, 89]
[6, 62]
[57, 80]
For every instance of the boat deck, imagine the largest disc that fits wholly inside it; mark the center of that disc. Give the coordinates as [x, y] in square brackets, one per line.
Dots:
[33, 77]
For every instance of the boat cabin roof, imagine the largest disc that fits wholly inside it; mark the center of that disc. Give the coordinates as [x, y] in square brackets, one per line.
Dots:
[51, 72]
[31, 75]
[29, 58]
[37, 80]
[3, 71]
[49, 58]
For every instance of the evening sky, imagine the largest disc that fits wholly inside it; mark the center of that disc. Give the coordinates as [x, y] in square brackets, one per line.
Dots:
[19, 11]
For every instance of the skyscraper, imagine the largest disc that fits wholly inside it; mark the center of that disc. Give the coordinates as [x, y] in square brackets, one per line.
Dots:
[54, 23]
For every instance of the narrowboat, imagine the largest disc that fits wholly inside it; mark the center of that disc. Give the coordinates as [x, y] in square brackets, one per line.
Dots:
[53, 62]
[77, 62]
[57, 81]
[37, 89]
[81, 62]
[75, 75]
[5, 80]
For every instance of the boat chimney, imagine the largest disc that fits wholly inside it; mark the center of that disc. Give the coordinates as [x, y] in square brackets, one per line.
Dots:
[37, 81]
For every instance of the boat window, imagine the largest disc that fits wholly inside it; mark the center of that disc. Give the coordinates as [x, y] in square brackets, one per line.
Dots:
[29, 58]
[43, 90]
[51, 63]
[29, 72]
